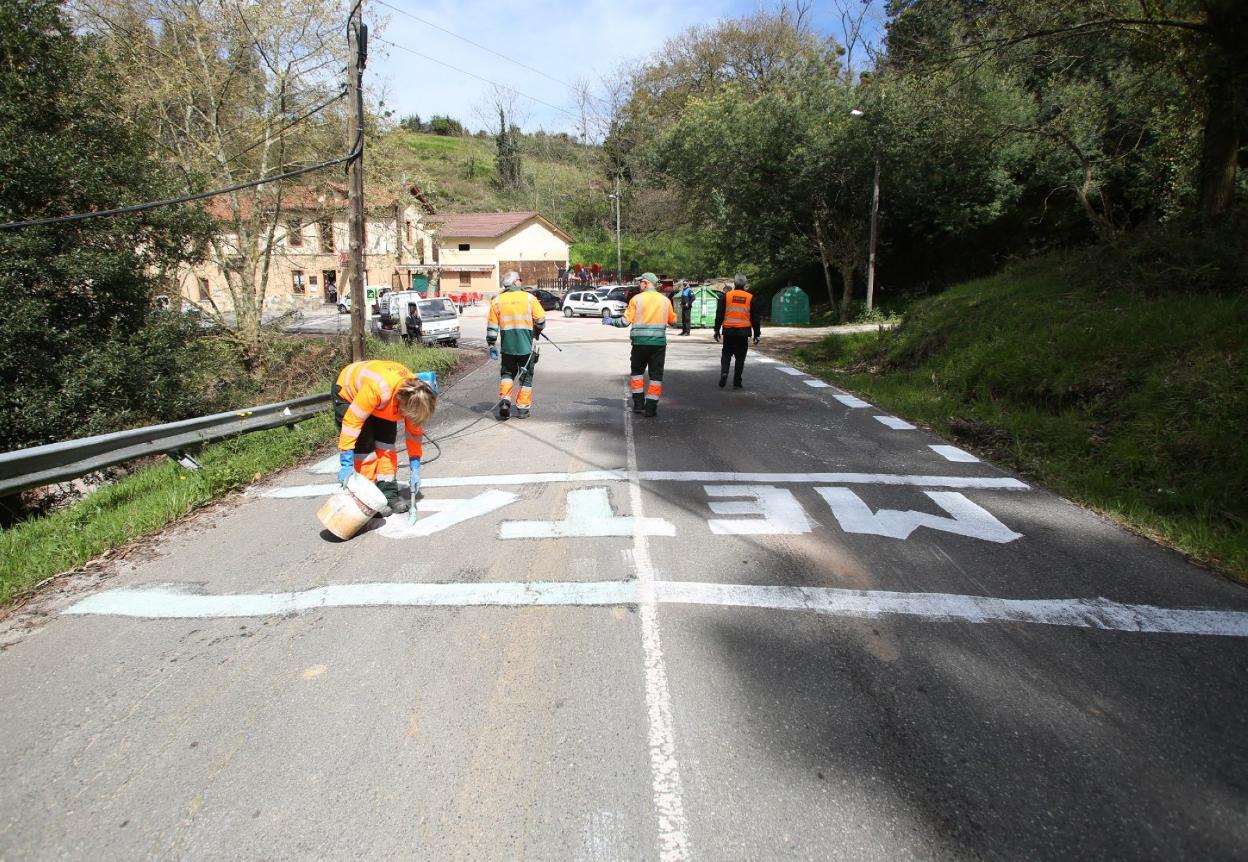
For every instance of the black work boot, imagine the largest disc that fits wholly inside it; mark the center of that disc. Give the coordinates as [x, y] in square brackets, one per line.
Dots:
[652, 408]
[639, 403]
[394, 501]
[736, 384]
[723, 380]
[504, 409]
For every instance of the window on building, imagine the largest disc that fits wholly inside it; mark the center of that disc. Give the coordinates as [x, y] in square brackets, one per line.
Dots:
[463, 246]
[465, 279]
[205, 292]
[326, 228]
[294, 233]
[298, 285]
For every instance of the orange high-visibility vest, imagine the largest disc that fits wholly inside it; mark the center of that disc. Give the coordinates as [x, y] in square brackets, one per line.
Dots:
[737, 309]
[370, 386]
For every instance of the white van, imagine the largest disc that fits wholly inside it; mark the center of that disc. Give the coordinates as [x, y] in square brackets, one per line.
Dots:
[439, 318]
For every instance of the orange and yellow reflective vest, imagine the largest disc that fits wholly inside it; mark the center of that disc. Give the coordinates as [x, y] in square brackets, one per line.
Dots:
[370, 386]
[649, 313]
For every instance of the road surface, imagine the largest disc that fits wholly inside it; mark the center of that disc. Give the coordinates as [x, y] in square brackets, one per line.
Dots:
[769, 623]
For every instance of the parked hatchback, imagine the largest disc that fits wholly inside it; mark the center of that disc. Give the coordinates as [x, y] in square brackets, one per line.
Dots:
[590, 303]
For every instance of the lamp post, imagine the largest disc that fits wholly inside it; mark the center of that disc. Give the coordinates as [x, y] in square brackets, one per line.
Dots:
[618, 256]
[875, 218]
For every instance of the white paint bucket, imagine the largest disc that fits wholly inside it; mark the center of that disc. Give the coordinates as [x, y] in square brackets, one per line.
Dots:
[351, 508]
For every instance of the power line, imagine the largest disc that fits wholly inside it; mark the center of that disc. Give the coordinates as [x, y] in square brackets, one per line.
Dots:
[476, 44]
[151, 205]
[475, 75]
[342, 94]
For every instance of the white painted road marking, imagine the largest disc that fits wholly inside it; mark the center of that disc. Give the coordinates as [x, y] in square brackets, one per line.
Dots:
[790, 370]
[397, 526]
[700, 476]
[780, 511]
[894, 423]
[851, 401]
[664, 768]
[177, 602]
[589, 514]
[953, 453]
[817, 384]
[967, 519]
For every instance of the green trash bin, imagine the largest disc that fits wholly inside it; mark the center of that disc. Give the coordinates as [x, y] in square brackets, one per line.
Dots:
[790, 305]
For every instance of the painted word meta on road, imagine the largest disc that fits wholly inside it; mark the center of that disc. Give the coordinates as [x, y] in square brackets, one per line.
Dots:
[760, 510]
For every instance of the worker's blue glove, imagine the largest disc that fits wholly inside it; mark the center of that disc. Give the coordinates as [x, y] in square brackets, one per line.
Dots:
[413, 480]
[493, 353]
[608, 321]
[346, 465]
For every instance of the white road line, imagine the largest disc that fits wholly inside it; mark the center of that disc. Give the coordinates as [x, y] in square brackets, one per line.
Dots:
[174, 601]
[397, 526]
[790, 370]
[851, 401]
[817, 384]
[704, 477]
[588, 514]
[894, 423]
[953, 453]
[664, 768]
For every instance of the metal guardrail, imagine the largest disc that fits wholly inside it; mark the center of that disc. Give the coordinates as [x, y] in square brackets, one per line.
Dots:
[60, 462]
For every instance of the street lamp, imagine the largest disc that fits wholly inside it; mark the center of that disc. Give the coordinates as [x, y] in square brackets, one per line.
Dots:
[618, 257]
[875, 218]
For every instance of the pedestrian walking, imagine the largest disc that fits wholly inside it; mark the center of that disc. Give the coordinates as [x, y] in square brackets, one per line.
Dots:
[736, 314]
[686, 308]
[518, 316]
[370, 398]
[649, 313]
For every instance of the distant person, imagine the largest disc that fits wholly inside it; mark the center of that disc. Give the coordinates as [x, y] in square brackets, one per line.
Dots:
[686, 309]
[412, 324]
[518, 318]
[649, 313]
[736, 314]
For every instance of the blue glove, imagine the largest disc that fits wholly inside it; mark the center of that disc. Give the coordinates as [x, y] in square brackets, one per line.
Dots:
[413, 480]
[346, 465]
[607, 321]
[493, 353]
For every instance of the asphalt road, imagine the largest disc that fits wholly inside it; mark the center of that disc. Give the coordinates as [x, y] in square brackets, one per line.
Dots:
[765, 624]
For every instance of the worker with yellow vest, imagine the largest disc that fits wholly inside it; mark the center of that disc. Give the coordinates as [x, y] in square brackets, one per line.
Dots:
[736, 314]
[370, 398]
[649, 313]
[519, 318]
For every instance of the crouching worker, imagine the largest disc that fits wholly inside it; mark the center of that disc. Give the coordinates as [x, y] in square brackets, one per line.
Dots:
[370, 398]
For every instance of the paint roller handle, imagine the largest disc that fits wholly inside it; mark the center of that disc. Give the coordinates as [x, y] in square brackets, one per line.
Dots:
[413, 483]
[548, 338]
[346, 465]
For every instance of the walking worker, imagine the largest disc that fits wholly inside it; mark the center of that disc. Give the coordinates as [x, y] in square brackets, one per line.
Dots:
[649, 313]
[686, 308]
[736, 314]
[370, 398]
[519, 317]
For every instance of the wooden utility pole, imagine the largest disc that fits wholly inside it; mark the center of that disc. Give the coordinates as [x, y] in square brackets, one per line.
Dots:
[357, 54]
[875, 220]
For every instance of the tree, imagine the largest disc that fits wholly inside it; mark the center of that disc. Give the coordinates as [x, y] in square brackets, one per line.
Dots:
[236, 91]
[84, 350]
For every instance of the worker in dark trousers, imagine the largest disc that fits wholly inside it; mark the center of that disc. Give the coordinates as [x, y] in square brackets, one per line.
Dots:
[736, 314]
[686, 309]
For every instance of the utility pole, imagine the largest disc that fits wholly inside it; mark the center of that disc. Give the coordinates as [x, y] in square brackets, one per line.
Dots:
[875, 218]
[357, 55]
[619, 270]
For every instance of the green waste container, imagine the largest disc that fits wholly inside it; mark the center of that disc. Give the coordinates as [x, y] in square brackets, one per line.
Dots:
[420, 283]
[790, 305]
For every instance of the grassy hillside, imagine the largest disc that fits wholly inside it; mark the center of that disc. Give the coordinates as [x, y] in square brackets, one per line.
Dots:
[1135, 405]
[458, 174]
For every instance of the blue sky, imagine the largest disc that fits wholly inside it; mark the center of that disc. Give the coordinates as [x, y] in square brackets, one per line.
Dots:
[563, 39]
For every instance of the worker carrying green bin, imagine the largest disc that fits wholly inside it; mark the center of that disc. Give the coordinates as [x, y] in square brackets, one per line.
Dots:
[790, 305]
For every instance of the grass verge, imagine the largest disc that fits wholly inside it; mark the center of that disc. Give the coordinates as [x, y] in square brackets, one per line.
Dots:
[150, 499]
[1131, 404]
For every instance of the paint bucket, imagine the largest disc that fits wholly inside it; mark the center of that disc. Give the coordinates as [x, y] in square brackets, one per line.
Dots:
[351, 508]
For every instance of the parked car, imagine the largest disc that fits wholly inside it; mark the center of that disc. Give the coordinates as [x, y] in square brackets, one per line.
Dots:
[548, 300]
[439, 318]
[588, 302]
[373, 292]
